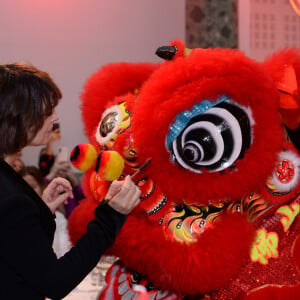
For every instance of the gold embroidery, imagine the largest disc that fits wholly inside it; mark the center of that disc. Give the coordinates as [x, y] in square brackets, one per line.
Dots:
[264, 247]
[289, 213]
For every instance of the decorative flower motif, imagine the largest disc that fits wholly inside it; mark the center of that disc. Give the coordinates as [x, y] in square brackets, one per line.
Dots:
[285, 171]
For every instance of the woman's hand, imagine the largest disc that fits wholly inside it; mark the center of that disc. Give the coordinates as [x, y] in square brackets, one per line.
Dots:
[57, 192]
[123, 196]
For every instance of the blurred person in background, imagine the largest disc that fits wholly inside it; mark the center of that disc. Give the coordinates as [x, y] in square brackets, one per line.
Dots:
[15, 161]
[54, 165]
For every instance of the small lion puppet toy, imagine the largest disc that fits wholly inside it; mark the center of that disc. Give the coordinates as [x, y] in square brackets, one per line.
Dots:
[203, 136]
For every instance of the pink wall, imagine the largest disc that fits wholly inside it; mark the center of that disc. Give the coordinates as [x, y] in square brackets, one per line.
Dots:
[267, 26]
[72, 38]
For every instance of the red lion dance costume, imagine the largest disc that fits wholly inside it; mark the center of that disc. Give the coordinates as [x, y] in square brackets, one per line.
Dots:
[204, 134]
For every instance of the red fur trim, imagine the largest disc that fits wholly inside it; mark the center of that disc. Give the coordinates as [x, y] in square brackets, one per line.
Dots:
[187, 269]
[110, 81]
[176, 87]
[180, 48]
[85, 182]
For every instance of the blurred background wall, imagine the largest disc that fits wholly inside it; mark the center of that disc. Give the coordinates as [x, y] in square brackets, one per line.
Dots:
[71, 39]
[257, 27]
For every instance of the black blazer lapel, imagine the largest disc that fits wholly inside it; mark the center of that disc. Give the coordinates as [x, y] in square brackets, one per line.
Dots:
[12, 182]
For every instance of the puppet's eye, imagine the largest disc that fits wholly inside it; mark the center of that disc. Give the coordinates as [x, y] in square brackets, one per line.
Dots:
[213, 140]
[114, 121]
[193, 152]
[108, 124]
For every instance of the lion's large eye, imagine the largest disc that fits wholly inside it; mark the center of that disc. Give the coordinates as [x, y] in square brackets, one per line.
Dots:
[213, 140]
[114, 121]
[108, 123]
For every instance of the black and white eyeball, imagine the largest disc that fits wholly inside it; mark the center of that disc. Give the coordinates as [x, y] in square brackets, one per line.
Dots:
[214, 139]
[114, 121]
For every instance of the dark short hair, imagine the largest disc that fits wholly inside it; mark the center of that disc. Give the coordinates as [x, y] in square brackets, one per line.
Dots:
[27, 97]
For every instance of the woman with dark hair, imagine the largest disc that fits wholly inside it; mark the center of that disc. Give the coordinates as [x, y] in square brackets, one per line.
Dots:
[29, 267]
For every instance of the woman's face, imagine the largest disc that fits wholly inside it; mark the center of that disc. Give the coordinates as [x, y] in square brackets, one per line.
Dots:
[43, 135]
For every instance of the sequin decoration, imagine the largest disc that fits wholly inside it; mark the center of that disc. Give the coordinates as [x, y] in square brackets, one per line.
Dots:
[183, 118]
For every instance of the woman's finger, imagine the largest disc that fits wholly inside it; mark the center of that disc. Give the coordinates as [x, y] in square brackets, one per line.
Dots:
[53, 205]
[62, 181]
[114, 188]
[131, 190]
[133, 198]
[56, 187]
